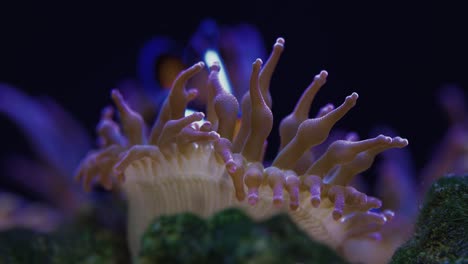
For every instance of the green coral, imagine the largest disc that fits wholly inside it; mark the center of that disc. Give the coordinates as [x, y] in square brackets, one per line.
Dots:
[177, 239]
[230, 237]
[441, 231]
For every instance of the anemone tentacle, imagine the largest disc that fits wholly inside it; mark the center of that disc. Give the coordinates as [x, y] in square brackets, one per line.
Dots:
[183, 166]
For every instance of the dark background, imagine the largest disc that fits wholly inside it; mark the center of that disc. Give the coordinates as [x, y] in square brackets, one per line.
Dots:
[394, 55]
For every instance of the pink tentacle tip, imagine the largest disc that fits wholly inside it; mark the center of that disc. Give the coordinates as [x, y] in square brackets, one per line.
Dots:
[200, 64]
[280, 41]
[192, 94]
[258, 62]
[337, 214]
[278, 196]
[293, 205]
[352, 136]
[107, 112]
[235, 172]
[373, 202]
[277, 182]
[400, 142]
[292, 186]
[384, 139]
[206, 126]
[389, 215]
[278, 201]
[353, 96]
[314, 184]
[325, 110]
[252, 196]
[199, 115]
[315, 201]
[214, 135]
[321, 78]
[115, 93]
[328, 107]
[361, 199]
[323, 74]
[231, 166]
[253, 178]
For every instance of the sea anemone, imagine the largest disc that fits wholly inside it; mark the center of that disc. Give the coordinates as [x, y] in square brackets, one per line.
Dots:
[202, 165]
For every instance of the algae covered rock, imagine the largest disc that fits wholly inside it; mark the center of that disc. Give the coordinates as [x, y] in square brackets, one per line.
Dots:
[180, 238]
[230, 237]
[441, 234]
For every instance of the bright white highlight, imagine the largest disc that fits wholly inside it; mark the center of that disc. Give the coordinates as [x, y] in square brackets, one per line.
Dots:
[211, 57]
[189, 112]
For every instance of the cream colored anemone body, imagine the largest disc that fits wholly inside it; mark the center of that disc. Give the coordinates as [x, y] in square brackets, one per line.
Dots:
[185, 166]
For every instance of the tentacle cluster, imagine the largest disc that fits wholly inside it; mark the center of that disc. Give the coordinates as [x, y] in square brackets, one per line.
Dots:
[204, 167]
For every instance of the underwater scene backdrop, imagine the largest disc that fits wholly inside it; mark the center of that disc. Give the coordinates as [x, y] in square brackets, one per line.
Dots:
[138, 131]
